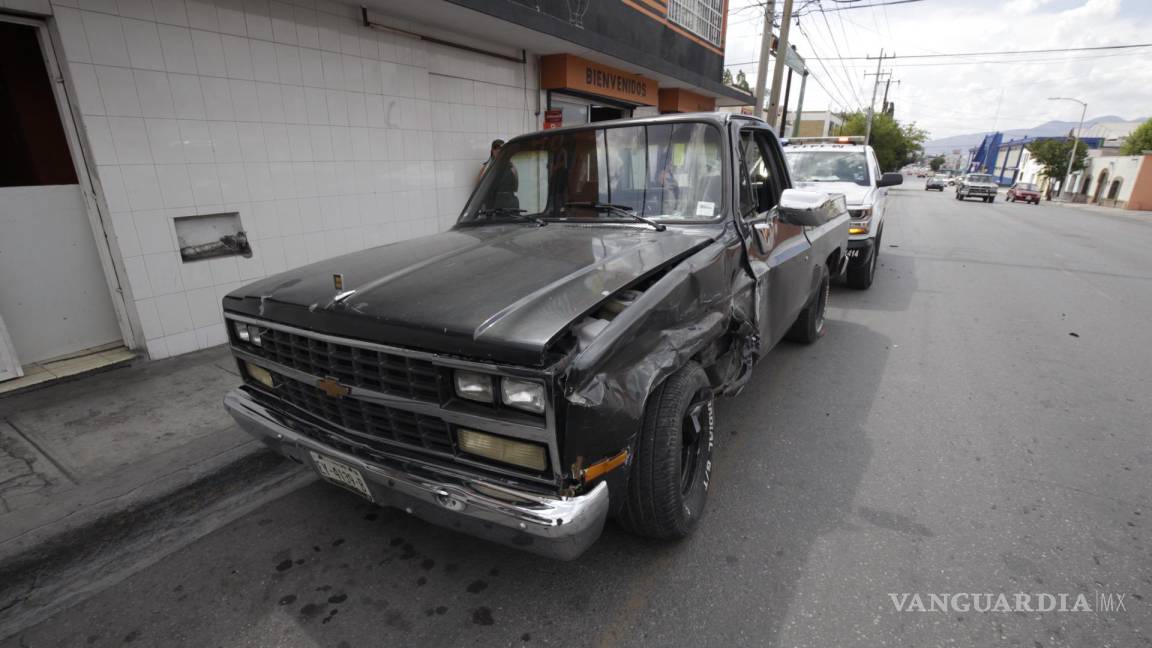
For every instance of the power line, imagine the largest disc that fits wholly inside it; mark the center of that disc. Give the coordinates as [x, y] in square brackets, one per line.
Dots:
[839, 98]
[843, 68]
[821, 9]
[1001, 53]
[844, 31]
[985, 62]
[1066, 59]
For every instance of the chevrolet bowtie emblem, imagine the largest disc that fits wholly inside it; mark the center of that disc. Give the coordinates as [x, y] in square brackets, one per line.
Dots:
[332, 387]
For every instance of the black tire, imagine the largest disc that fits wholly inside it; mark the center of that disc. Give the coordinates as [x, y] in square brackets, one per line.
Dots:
[668, 481]
[860, 278]
[809, 326]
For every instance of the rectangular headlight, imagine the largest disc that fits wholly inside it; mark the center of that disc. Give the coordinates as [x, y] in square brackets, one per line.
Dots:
[248, 333]
[490, 446]
[260, 375]
[473, 386]
[861, 213]
[527, 395]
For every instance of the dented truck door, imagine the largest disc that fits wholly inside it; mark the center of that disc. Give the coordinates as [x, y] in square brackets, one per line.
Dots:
[778, 252]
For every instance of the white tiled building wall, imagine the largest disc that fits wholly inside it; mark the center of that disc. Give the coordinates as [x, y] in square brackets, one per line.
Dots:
[327, 137]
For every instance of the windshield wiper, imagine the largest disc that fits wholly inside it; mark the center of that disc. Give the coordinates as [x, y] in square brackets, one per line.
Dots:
[510, 213]
[619, 210]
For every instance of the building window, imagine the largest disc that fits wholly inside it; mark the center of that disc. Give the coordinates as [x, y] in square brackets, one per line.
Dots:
[705, 18]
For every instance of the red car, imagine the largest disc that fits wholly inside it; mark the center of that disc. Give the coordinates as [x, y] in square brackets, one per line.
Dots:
[1025, 191]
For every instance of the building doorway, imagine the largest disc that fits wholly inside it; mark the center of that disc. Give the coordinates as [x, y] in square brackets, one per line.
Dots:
[54, 298]
[1101, 183]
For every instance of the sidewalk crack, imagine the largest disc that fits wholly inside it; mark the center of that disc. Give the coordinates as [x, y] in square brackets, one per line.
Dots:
[44, 453]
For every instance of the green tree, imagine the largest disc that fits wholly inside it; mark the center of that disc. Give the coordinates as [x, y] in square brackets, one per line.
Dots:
[726, 79]
[1052, 156]
[936, 162]
[1139, 140]
[896, 144]
[742, 81]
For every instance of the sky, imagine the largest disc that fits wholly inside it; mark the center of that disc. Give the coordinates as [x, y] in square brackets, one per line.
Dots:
[958, 95]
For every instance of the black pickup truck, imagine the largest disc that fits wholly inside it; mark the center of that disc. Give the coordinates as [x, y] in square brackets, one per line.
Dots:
[554, 357]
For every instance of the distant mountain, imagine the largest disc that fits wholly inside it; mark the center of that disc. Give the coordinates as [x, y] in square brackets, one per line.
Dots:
[1106, 126]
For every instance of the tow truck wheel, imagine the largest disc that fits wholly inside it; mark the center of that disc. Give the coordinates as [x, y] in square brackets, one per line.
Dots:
[672, 459]
[809, 326]
[860, 278]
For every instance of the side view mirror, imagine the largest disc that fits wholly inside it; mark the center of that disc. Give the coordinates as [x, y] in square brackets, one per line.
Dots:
[810, 208]
[890, 179]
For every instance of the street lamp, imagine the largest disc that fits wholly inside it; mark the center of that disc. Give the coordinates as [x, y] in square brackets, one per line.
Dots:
[1075, 138]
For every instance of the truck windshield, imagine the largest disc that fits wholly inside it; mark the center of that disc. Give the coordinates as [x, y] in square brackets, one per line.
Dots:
[986, 179]
[828, 166]
[659, 171]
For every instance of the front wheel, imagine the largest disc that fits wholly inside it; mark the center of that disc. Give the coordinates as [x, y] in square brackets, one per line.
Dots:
[672, 461]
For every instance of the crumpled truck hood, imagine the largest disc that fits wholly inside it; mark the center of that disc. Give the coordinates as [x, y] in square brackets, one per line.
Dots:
[498, 292]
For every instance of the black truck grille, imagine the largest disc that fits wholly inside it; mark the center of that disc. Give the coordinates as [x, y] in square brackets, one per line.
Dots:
[372, 422]
[353, 366]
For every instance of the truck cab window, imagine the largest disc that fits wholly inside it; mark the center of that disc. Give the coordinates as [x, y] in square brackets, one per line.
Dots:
[758, 185]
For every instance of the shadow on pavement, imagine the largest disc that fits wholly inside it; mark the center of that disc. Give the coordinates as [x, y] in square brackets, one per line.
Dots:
[891, 290]
[323, 568]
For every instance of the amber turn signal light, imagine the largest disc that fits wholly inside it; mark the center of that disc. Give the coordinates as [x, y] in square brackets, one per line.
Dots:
[604, 466]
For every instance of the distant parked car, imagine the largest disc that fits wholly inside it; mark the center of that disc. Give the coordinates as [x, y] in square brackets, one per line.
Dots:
[1025, 191]
[936, 182]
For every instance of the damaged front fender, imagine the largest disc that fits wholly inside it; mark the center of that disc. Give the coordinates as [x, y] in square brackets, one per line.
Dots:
[693, 311]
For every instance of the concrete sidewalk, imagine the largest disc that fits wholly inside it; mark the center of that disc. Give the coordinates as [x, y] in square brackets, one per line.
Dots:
[103, 475]
[1132, 214]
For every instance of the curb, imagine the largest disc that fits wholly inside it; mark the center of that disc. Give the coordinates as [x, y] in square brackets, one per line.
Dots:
[62, 569]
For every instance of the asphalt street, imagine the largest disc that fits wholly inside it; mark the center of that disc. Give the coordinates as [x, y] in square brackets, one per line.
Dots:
[977, 422]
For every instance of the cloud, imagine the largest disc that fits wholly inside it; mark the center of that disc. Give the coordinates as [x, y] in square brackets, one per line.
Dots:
[950, 96]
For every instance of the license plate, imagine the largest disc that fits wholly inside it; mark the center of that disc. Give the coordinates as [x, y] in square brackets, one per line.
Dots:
[341, 474]
[852, 254]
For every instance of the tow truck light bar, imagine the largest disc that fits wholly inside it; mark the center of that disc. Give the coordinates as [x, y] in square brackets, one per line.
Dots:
[840, 139]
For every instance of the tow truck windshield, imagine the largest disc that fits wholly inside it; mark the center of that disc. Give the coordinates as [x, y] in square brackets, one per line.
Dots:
[828, 166]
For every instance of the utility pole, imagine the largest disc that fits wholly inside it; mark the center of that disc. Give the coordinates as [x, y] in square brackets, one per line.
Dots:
[884, 103]
[800, 103]
[778, 70]
[872, 104]
[1075, 142]
[784, 108]
[765, 51]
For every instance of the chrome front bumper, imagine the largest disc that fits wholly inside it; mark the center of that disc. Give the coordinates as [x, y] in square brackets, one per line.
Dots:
[552, 526]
